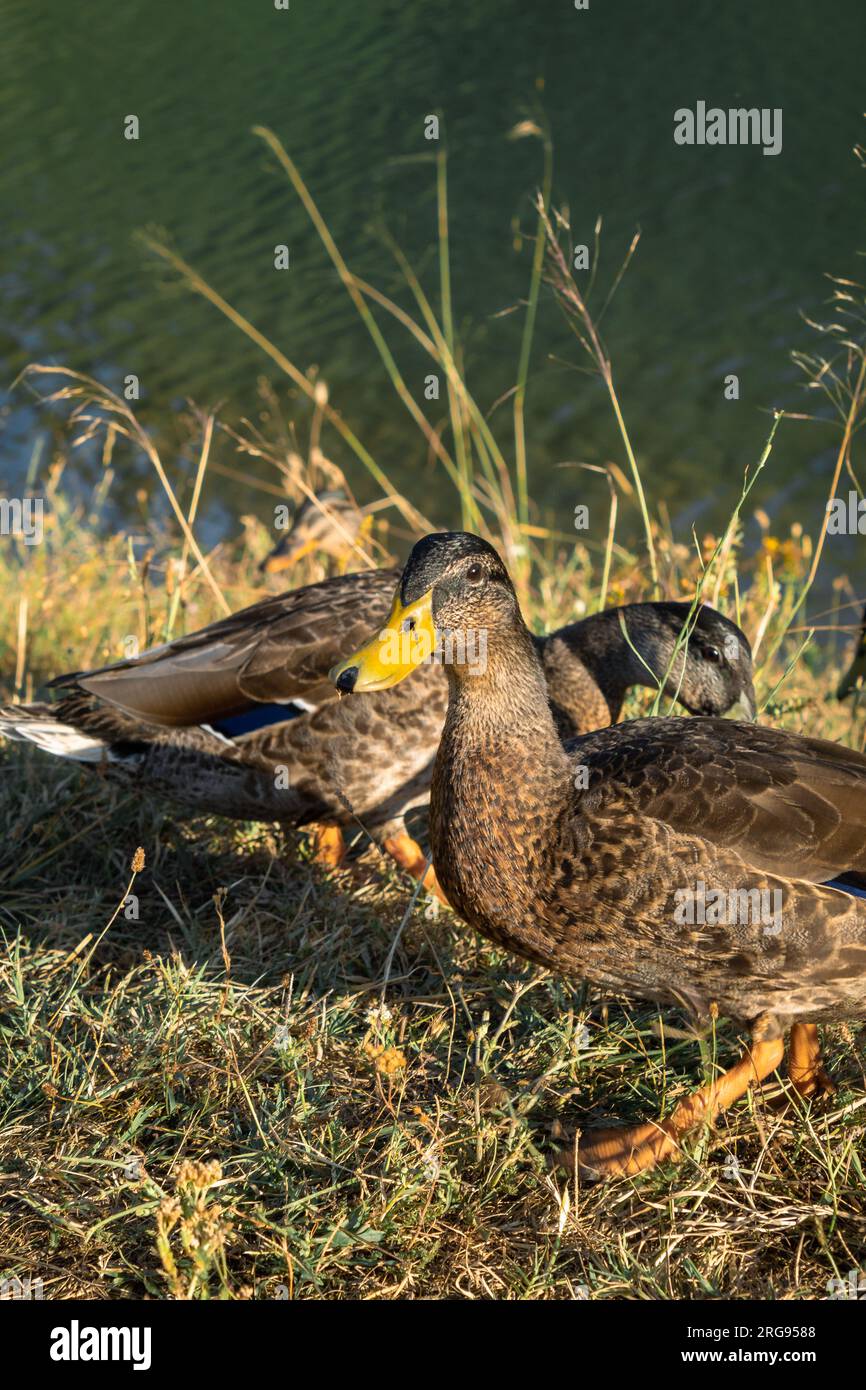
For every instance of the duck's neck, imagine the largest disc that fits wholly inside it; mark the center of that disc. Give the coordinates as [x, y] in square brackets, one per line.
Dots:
[500, 782]
[600, 647]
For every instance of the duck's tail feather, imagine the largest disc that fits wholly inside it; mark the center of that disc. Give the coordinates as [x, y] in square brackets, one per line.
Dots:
[39, 724]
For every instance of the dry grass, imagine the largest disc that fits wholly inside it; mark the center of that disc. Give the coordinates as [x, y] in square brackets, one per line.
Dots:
[367, 1143]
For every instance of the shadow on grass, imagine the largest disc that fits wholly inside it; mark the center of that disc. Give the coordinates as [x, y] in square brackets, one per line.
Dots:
[216, 1098]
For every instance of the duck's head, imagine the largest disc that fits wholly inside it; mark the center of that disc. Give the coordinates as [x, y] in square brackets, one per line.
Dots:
[453, 592]
[711, 674]
[327, 523]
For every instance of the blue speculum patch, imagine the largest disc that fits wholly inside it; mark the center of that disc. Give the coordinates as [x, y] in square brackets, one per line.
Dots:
[257, 717]
[846, 888]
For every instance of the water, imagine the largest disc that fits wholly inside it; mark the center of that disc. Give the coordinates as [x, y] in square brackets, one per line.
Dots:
[733, 243]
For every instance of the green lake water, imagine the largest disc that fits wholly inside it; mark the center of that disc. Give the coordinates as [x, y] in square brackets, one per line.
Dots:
[733, 244]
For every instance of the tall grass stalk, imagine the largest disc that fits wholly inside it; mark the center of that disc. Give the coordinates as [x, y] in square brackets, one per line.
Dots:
[608, 547]
[277, 148]
[198, 284]
[856, 406]
[769, 698]
[204, 455]
[520, 458]
[691, 617]
[86, 391]
[581, 321]
[454, 403]
[456, 381]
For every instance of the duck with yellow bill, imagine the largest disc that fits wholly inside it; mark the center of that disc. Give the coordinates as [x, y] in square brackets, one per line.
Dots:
[578, 855]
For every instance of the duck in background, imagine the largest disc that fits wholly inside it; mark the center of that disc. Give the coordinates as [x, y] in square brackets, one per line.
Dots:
[693, 862]
[327, 523]
[855, 676]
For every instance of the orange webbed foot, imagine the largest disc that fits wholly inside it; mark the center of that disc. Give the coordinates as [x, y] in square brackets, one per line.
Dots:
[805, 1067]
[410, 856]
[610, 1153]
[328, 846]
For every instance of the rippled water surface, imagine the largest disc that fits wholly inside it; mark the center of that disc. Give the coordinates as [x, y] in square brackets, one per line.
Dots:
[733, 243]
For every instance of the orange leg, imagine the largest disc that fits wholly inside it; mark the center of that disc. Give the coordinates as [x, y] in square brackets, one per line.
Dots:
[410, 856]
[624, 1152]
[329, 847]
[805, 1068]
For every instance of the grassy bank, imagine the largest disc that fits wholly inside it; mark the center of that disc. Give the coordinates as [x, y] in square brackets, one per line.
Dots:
[218, 1087]
[365, 1139]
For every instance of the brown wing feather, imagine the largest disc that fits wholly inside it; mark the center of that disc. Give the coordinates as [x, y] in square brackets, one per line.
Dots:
[276, 650]
[789, 805]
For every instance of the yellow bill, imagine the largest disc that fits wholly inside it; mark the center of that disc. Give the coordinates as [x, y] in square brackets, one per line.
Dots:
[407, 641]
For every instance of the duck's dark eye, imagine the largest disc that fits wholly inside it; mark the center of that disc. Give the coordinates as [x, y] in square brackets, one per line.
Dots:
[475, 574]
[408, 625]
[711, 654]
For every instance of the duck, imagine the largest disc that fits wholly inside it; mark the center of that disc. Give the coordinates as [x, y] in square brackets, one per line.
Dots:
[708, 864]
[327, 523]
[240, 719]
[852, 681]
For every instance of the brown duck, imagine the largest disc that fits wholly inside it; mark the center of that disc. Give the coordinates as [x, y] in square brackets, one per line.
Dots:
[241, 720]
[683, 861]
[325, 524]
